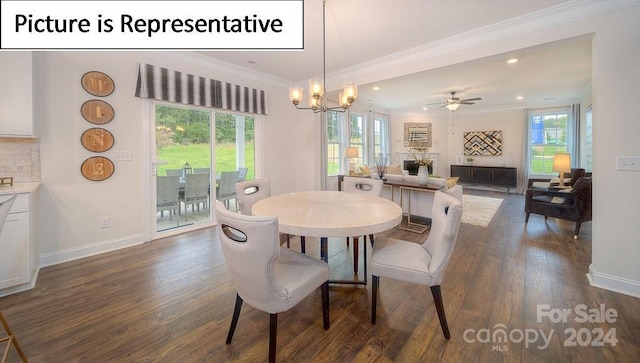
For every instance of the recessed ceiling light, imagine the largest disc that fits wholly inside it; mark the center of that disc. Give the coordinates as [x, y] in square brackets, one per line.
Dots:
[376, 88]
[519, 98]
[512, 61]
[425, 108]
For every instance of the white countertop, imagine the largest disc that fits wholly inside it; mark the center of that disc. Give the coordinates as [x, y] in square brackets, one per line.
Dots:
[19, 188]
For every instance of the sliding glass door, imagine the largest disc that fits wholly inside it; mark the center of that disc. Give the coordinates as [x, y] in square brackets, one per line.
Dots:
[182, 166]
[183, 155]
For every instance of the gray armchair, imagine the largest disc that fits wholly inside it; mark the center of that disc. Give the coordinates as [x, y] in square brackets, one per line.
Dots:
[573, 205]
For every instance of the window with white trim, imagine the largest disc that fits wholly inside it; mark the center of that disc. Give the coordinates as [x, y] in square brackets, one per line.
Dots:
[369, 134]
[550, 132]
[334, 133]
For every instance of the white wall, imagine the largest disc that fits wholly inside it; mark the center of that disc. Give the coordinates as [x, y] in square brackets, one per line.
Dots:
[70, 205]
[616, 55]
[450, 139]
[439, 137]
[616, 110]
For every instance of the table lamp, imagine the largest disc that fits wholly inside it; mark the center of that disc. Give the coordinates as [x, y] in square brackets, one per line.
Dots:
[351, 152]
[562, 164]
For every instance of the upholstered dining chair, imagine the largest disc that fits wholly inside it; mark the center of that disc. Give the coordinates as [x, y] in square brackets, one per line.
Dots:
[248, 192]
[10, 339]
[268, 277]
[366, 185]
[420, 264]
[455, 191]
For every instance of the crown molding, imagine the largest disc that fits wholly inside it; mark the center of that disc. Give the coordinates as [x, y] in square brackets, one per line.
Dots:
[568, 12]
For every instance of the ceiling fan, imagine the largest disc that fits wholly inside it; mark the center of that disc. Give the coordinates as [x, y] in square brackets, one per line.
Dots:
[453, 102]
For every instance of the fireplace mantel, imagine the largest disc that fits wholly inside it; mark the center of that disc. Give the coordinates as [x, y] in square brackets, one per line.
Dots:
[405, 155]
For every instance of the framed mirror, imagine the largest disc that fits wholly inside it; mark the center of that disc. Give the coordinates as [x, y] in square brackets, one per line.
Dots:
[417, 134]
[97, 112]
[98, 83]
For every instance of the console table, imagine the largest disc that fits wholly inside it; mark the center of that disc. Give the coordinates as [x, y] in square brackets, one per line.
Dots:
[486, 175]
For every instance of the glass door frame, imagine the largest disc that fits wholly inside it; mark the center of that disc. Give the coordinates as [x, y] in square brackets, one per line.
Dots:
[150, 172]
[149, 152]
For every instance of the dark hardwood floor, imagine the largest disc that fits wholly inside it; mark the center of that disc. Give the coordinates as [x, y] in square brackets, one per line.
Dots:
[171, 300]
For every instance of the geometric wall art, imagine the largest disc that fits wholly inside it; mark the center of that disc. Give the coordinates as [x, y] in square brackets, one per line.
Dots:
[483, 143]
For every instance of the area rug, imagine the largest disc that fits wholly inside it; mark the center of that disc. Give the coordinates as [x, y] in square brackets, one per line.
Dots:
[479, 210]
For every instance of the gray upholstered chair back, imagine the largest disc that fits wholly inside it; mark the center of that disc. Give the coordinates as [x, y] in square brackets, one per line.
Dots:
[445, 225]
[455, 191]
[248, 192]
[354, 184]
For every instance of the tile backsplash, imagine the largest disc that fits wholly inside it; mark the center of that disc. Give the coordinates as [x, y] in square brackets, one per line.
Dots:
[20, 158]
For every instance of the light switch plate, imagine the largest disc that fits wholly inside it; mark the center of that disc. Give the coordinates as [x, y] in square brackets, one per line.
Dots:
[628, 163]
[122, 156]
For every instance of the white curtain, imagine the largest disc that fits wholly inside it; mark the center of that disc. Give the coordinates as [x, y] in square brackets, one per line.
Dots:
[573, 147]
[523, 173]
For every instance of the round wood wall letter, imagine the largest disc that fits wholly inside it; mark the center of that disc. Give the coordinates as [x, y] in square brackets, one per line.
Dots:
[97, 168]
[98, 83]
[97, 140]
[97, 112]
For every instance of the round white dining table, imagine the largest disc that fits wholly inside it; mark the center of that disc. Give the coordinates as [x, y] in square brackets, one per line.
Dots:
[326, 214]
[330, 213]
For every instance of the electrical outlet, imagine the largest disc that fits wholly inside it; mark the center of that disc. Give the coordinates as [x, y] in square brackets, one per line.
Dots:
[105, 222]
[628, 163]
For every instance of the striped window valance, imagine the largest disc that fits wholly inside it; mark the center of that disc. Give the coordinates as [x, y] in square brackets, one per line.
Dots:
[174, 86]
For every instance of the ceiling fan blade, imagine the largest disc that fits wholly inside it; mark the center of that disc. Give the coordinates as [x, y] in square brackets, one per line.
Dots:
[466, 103]
[472, 99]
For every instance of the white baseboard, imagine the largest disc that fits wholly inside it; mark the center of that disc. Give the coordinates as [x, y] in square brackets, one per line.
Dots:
[613, 283]
[54, 258]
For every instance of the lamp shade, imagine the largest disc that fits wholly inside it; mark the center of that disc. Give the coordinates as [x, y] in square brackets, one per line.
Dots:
[351, 152]
[562, 163]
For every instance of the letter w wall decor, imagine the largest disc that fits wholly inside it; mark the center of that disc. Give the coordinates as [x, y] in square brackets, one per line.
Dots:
[483, 143]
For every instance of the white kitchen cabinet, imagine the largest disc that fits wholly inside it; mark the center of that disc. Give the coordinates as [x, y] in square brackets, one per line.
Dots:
[18, 260]
[16, 94]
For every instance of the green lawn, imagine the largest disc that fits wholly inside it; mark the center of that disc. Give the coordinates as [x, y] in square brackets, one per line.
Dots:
[198, 156]
[542, 158]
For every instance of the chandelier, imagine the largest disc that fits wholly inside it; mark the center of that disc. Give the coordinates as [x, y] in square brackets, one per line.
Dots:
[317, 88]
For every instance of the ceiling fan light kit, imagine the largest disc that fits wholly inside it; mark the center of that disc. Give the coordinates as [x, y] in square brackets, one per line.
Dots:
[452, 103]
